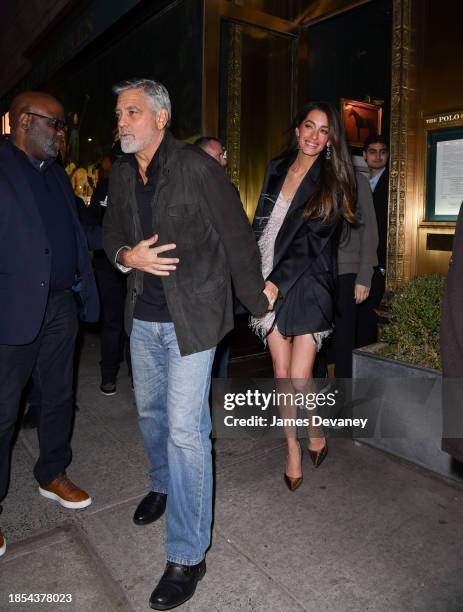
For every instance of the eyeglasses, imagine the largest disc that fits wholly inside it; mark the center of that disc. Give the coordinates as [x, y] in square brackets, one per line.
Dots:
[57, 124]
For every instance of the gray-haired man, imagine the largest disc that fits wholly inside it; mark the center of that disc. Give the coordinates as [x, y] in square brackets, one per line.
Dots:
[170, 197]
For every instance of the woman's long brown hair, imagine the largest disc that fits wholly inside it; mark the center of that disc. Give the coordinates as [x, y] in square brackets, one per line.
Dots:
[337, 190]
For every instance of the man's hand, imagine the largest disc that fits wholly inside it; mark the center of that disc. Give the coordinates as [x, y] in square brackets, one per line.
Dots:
[143, 257]
[271, 293]
[361, 293]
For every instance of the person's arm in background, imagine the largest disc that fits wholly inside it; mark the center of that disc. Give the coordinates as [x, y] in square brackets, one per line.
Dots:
[368, 233]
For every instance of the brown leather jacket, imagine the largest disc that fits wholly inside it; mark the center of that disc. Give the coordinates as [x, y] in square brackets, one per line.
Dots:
[196, 207]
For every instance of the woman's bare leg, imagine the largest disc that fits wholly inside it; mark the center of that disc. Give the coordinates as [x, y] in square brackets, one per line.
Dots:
[281, 350]
[302, 360]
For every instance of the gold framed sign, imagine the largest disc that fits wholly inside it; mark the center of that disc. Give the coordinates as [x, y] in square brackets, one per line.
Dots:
[444, 164]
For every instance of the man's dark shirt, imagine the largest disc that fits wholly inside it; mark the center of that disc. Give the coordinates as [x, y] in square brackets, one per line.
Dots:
[56, 219]
[151, 305]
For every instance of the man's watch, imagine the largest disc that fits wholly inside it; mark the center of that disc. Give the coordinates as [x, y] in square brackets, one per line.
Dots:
[120, 266]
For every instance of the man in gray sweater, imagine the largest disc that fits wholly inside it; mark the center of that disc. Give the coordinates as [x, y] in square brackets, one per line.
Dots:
[357, 257]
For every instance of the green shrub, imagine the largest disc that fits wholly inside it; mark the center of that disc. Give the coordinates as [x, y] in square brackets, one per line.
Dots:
[413, 330]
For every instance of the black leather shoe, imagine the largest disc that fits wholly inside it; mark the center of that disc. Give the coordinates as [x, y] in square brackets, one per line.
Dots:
[150, 508]
[177, 585]
[108, 388]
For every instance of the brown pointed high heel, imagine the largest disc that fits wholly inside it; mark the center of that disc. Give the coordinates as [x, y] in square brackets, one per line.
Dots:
[319, 455]
[291, 482]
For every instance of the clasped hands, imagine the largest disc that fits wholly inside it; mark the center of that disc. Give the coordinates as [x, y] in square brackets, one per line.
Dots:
[271, 293]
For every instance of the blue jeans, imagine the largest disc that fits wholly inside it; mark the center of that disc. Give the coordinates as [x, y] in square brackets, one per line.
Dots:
[172, 394]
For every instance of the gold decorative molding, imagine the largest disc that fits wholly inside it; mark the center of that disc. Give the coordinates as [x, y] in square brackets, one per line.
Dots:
[402, 196]
[234, 103]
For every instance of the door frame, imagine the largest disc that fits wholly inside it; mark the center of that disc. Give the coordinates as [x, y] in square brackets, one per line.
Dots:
[214, 12]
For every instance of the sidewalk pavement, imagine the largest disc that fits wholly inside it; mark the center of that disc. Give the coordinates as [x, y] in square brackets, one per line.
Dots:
[364, 532]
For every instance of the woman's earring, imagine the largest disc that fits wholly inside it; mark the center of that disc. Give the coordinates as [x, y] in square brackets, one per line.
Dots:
[328, 151]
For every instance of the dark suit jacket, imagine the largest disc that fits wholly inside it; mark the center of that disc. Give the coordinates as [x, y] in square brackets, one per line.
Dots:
[305, 257]
[380, 201]
[196, 207]
[25, 258]
[451, 344]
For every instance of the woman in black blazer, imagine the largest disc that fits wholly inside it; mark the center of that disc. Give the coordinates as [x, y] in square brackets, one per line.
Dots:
[307, 192]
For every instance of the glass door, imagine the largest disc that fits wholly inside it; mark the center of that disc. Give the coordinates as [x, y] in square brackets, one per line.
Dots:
[250, 92]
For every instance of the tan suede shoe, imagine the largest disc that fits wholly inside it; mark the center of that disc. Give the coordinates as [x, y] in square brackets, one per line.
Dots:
[66, 493]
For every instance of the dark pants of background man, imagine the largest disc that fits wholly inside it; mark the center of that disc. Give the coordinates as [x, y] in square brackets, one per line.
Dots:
[345, 325]
[355, 326]
[112, 286]
[221, 358]
[367, 319]
[49, 359]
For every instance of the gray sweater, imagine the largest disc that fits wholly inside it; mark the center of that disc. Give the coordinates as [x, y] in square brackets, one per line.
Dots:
[357, 252]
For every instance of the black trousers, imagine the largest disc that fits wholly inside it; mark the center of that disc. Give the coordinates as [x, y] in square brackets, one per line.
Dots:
[112, 286]
[367, 319]
[355, 325]
[49, 360]
[345, 325]
[221, 358]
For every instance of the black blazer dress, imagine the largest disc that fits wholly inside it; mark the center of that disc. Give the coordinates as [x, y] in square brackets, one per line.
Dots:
[305, 254]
